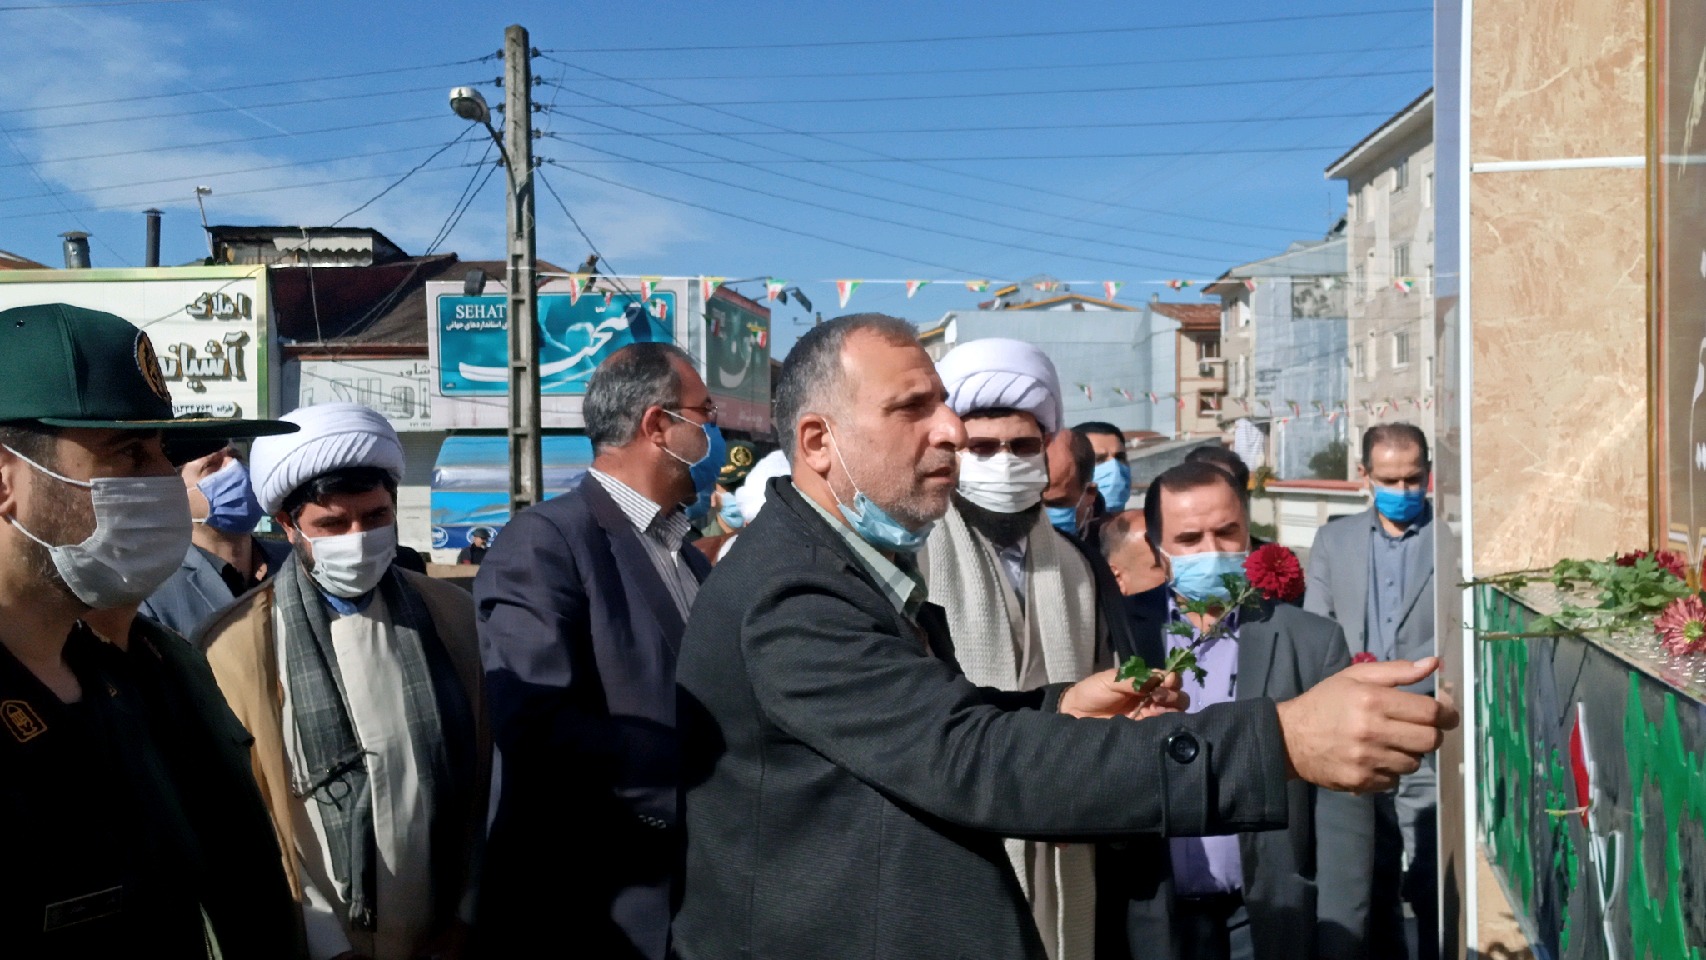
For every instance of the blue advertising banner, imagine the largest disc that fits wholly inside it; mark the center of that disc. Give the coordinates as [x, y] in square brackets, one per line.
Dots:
[576, 334]
[470, 483]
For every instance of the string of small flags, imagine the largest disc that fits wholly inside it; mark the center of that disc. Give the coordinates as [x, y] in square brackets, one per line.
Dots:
[1293, 409]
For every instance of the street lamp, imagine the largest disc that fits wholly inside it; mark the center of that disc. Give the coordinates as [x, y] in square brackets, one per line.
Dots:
[515, 146]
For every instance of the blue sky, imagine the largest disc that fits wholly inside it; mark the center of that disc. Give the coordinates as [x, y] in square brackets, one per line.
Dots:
[809, 121]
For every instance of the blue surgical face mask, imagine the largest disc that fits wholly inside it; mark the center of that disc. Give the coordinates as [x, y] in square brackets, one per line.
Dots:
[704, 470]
[1197, 576]
[1399, 506]
[1065, 519]
[731, 512]
[231, 503]
[1113, 478]
[871, 522]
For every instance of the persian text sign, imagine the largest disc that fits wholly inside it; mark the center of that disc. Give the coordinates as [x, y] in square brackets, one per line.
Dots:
[398, 389]
[208, 326]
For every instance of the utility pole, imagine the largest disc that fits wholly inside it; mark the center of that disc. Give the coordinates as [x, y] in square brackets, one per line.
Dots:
[526, 469]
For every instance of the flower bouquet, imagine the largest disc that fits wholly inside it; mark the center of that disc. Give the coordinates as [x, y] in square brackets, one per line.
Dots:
[1271, 573]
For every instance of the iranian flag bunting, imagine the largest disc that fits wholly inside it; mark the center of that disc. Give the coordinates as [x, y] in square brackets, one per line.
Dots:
[844, 289]
[709, 285]
[1112, 287]
[773, 288]
[913, 286]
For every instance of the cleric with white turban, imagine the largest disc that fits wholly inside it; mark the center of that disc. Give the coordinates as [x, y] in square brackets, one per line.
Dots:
[1022, 601]
[333, 436]
[998, 372]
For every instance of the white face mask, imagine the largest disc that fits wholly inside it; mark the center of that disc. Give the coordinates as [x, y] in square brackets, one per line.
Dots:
[1003, 483]
[142, 531]
[351, 564]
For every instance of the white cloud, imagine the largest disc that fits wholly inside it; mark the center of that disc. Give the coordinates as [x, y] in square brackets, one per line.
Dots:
[78, 56]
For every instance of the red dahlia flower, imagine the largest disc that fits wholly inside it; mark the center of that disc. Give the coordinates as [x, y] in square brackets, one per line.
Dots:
[1668, 560]
[1682, 625]
[1274, 571]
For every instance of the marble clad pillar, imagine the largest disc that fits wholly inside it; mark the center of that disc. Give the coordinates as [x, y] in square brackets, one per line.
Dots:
[1558, 282]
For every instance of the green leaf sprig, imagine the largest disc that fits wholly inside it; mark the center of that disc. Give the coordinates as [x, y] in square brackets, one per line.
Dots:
[1242, 596]
[1625, 598]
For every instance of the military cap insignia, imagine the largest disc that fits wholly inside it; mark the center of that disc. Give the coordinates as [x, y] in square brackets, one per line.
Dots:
[149, 364]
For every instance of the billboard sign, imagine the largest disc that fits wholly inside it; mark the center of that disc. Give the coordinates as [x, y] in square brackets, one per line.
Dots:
[209, 326]
[401, 390]
[469, 342]
[737, 361]
[470, 483]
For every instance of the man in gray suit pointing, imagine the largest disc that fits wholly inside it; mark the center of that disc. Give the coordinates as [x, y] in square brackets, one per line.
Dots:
[847, 788]
[1373, 572]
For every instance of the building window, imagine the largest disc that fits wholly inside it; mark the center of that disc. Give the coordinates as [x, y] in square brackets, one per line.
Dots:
[1208, 404]
[1208, 349]
[1351, 212]
[1428, 374]
[1401, 261]
[1401, 175]
[1359, 361]
[1400, 349]
[1360, 280]
[1243, 376]
[1428, 189]
[1243, 313]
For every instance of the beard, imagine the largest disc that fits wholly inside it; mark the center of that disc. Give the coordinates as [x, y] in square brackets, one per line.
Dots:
[64, 518]
[1001, 529]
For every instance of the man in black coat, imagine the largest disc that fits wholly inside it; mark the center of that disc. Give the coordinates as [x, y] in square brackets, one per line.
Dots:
[1302, 892]
[848, 788]
[581, 604]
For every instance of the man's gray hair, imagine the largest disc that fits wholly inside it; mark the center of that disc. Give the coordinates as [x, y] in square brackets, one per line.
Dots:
[638, 376]
[813, 379]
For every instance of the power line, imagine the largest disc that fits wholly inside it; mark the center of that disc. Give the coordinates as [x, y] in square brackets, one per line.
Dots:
[1135, 155]
[947, 170]
[368, 125]
[102, 208]
[1022, 35]
[94, 3]
[228, 173]
[57, 195]
[900, 223]
[668, 165]
[991, 128]
[756, 222]
[255, 86]
[300, 101]
[1016, 68]
[996, 94]
[400, 180]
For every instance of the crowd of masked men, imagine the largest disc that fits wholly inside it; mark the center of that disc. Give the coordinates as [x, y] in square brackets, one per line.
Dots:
[857, 698]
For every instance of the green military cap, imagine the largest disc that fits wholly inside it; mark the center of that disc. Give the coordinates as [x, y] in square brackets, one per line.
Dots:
[742, 456]
[66, 366]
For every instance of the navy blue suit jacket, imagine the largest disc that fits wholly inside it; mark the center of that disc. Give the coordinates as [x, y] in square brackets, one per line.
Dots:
[579, 635]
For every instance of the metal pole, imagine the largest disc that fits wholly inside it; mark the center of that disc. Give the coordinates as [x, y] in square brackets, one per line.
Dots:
[526, 470]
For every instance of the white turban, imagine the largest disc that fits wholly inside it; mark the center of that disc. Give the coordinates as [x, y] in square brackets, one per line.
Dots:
[333, 436]
[750, 496]
[997, 372]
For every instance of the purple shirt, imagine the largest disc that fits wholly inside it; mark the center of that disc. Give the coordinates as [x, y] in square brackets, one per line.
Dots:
[1207, 865]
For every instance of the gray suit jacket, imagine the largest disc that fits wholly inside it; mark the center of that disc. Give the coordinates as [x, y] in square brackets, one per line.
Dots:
[1338, 587]
[848, 787]
[1307, 887]
[187, 601]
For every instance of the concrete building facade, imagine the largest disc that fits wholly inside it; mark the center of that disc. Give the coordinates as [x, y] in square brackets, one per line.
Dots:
[1390, 262]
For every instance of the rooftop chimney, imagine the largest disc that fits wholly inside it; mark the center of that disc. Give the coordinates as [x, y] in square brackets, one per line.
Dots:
[151, 249]
[76, 250]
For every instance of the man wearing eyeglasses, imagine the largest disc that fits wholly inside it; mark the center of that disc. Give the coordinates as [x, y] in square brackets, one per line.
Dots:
[1026, 604]
[581, 606]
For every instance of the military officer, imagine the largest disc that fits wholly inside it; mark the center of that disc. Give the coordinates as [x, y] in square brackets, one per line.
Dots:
[128, 816]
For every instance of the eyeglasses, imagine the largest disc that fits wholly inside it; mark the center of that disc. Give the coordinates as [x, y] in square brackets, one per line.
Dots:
[986, 447]
[708, 410]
